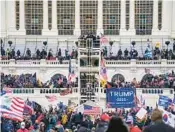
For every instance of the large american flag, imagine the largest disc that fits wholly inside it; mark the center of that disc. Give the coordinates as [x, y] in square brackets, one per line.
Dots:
[51, 98]
[15, 111]
[90, 110]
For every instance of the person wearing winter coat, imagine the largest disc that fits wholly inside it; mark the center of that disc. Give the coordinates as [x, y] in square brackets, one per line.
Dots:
[83, 127]
[116, 124]
[158, 124]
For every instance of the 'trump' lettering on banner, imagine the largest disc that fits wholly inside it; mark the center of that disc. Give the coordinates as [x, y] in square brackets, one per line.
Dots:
[120, 98]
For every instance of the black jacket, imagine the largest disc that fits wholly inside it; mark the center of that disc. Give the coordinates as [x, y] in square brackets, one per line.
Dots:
[160, 127]
[101, 127]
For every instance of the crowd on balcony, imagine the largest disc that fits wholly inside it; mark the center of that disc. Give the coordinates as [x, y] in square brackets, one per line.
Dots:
[31, 81]
[158, 81]
[149, 54]
[148, 81]
[11, 53]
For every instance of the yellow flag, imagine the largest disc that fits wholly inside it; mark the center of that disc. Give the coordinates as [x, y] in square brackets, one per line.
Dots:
[103, 83]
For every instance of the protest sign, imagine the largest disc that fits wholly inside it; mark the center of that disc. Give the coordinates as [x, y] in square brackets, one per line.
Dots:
[120, 98]
[141, 113]
[164, 101]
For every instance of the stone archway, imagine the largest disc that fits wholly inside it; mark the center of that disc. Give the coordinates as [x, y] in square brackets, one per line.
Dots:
[147, 77]
[119, 77]
[57, 76]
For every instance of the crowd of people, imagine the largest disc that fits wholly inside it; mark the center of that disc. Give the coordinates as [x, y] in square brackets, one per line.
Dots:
[148, 81]
[148, 54]
[158, 81]
[59, 81]
[61, 118]
[11, 53]
[31, 81]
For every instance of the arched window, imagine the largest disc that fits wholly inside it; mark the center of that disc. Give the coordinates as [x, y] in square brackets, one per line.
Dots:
[65, 17]
[57, 77]
[50, 14]
[160, 14]
[127, 13]
[119, 77]
[111, 17]
[34, 17]
[143, 17]
[17, 14]
[147, 77]
[88, 16]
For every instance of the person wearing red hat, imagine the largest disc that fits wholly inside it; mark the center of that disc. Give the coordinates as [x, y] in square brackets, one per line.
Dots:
[102, 126]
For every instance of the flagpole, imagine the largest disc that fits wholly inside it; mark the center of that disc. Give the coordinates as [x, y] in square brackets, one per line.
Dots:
[99, 89]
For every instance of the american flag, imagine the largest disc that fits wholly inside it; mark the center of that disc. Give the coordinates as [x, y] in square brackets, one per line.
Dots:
[103, 39]
[103, 71]
[15, 111]
[51, 98]
[71, 74]
[90, 110]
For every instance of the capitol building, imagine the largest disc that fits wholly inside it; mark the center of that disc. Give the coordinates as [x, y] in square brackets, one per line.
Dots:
[59, 27]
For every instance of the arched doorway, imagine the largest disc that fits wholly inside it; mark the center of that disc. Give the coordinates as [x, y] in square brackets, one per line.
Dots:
[119, 77]
[147, 77]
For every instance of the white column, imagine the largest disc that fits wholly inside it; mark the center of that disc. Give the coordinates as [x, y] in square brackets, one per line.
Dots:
[173, 20]
[123, 18]
[166, 17]
[132, 18]
[77, 30]
[155, 18]
[54, 30]
[45, 30]
[22, 30]
[3, 19]
[100, 17]
[11, 27]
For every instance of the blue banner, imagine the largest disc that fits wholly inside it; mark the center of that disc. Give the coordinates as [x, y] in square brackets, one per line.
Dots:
[164, 101]
[120, 98]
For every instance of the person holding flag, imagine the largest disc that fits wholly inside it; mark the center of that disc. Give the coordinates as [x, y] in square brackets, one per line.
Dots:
[71, 73]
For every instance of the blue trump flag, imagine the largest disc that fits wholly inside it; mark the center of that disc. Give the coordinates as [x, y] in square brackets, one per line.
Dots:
[174, 100]
[164, 101]
[120, 98]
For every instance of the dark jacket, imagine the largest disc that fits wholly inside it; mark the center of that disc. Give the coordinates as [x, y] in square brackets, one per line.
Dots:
[82, 129]
[101, 127]
[159, 127]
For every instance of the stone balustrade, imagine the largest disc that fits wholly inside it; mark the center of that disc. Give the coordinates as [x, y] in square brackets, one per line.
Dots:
[151, 91]
[109, 63]
[37, 91]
